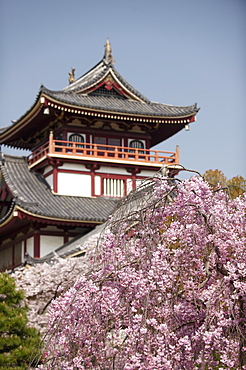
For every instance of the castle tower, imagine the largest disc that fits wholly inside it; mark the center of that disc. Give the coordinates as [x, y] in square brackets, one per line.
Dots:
[90, 145]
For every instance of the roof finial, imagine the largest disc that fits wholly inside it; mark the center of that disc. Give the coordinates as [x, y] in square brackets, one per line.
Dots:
[108, 56]
[71, 75]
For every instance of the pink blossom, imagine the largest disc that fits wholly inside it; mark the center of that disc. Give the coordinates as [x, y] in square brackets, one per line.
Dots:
[168, 291]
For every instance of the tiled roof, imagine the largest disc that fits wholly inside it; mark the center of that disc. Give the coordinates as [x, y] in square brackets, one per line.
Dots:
[114, 104]
[97, 74]
[78, 94]
[100, 91]
[33, 194]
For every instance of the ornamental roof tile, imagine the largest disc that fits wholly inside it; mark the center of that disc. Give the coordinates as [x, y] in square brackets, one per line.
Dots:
[32, 194]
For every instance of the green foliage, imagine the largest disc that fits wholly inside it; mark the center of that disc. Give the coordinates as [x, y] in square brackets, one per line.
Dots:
[18, 342]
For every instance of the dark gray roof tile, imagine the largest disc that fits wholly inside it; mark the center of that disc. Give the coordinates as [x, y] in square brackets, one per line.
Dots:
[114, 104]
[33, 194]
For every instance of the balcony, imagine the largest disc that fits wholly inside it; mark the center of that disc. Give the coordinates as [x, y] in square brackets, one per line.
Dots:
[102, 153]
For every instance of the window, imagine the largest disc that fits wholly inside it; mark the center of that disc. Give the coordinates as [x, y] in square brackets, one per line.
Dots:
[100, 140]
[113, 187]
[138, 145]
[113, 141]
[76, 138]
[107, 141]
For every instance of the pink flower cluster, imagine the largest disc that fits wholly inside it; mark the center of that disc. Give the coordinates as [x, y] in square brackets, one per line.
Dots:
[171, 290]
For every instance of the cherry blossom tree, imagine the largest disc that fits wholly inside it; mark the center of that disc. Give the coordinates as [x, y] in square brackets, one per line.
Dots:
[167, 289]
[43, 282]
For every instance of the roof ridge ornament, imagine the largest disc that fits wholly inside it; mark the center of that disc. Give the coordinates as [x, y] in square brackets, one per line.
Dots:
[108, 56]
[71, 78]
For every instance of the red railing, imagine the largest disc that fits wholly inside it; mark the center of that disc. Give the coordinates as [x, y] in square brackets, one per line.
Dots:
[102, 152]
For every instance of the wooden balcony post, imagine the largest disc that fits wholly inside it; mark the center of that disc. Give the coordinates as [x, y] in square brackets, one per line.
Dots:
[156, 156]
[177, 154]
[51, 143]
[109, 152]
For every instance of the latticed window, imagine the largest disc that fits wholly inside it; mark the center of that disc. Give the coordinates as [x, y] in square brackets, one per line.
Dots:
[136, 144]
[77, 138]
[113, 187]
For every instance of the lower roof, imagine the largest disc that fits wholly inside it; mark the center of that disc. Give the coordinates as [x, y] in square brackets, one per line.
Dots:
[32, 196]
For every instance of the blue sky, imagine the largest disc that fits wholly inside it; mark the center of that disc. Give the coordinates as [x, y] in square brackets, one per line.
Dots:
[173, 51]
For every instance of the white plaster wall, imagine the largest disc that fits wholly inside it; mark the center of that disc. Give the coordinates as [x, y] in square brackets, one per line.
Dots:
[148, 173]
[138, 182]
[74, 184]
[49, 180]
[49, 243]
[97, 185]
[30, 246]
[47, 169]
[113, 170]
[74, 166]
[128, 185]
[22, 252]
[50, 228]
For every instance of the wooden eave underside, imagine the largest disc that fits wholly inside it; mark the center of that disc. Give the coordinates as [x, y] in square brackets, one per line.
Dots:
[22, 122]
[35, 123]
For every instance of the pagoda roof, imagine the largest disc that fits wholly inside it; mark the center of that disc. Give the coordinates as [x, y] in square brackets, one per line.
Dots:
[33, 198]
[101, 92]
[119, 105]
[104, 70]
[103, 88]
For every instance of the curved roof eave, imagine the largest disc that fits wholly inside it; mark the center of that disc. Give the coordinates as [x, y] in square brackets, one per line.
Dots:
[25, 117]
[6, 220]
[59, 98]
[56, 219]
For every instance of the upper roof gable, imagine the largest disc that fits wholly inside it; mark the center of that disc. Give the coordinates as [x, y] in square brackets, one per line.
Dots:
[104, 75]
[101, 92]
